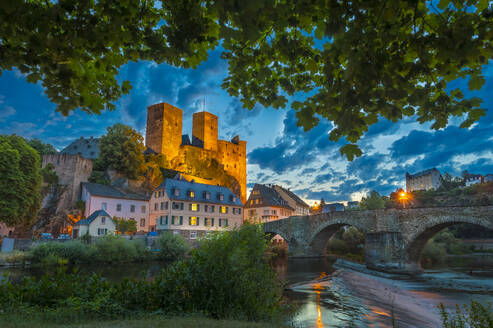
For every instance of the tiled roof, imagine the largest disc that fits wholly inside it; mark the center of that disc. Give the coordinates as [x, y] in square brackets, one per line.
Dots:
[184, 186]
[270, 197]
[294, 196]
[96, 189]
[92, 217]
[86, 147]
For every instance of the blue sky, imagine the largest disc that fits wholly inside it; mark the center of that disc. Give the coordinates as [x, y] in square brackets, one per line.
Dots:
[278, 151]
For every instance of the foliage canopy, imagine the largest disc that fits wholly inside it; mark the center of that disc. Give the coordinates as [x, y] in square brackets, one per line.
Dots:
[121, 148]
[373, 201]
[20, 181]
[357, 61]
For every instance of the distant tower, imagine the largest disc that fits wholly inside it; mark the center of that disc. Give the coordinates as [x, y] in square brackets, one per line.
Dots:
[205, 129]
[164, 128]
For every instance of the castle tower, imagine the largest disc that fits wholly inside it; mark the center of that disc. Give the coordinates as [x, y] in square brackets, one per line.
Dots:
[205, 129]
[232, 155]
[164, 128]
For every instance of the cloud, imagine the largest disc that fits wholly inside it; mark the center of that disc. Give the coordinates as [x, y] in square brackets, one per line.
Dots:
[6, 112]
[236, 114]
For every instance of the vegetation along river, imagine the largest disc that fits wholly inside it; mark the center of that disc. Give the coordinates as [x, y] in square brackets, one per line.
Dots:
[335, 293]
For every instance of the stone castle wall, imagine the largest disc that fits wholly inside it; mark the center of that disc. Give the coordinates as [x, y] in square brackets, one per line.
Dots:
[71, 171]
[164, 135]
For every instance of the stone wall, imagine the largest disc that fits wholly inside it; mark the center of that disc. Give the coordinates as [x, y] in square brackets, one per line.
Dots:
[71, 171]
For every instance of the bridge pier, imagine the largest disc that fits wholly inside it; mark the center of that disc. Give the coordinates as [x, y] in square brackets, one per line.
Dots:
[385, 251]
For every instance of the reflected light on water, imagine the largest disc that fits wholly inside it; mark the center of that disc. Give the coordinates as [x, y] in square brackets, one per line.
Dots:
[319, 324]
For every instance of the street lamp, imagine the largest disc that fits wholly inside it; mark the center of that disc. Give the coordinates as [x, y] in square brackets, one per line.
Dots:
[403, 197]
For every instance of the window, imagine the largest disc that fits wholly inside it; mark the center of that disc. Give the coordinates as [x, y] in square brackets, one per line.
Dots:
[209, 222]
[102, 231]
[207, 195]
[162, 205]
[191, 194]
[212, 208]
[193, 221]
[195, 207]
[223, 209]
[176, 232]
[232, 198]
[252, 212]
[273, 211]
[103, 206]
[156, 206]
[266, 212]
[223, 222]
[193, 234]
[103, 220]
[238, 210]
[176, 192]
[118, 207]
[143, 209]
[206, 208]
[156, 194]
[177, 206]
[256, 201]
[163, 220]
[142, 222]
[132, 208]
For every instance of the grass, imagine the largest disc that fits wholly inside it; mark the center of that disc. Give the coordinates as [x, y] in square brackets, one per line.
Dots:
[12, 321]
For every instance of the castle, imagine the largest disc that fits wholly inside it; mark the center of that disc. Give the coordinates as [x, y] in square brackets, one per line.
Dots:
[164, 136]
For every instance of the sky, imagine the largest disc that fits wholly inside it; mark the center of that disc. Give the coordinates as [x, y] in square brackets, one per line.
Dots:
[279, 152]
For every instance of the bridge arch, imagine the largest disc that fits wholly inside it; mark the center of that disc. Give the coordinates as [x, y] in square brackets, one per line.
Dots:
[428, 228]
[326, 230]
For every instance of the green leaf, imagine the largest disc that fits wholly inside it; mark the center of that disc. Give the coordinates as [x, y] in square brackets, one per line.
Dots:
[476, 82]
[350, 151]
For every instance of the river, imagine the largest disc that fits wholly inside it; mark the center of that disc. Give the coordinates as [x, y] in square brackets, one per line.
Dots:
[335, 293]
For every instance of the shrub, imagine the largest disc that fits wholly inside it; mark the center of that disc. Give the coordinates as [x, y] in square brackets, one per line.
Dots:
[226, 277]
[279, 250]
[172, 247]
[72, 251]
[475, 315]
[113, 249]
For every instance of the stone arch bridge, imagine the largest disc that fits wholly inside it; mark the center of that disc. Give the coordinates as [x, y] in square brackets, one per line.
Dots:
[394, 237]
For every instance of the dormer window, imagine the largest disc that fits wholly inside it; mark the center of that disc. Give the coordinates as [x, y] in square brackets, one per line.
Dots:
[207, 195]
[191, 194]
[232, 198]
[176, 192]
[220, 196]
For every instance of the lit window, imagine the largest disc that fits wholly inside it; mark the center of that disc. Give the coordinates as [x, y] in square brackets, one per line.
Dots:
[194, 221]
[223, 209]
[194, 207]
[256, 201]
[191, 194]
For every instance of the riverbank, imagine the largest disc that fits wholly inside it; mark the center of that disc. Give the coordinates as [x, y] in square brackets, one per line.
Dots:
[388, 299]
[16, 322]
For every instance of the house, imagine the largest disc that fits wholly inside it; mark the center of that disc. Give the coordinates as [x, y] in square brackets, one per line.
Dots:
[488, 178]
[5, 230]
[117, 203]
[98, 223]
[352, 204]
[301, 208]
[333, 207]
[425, 180]
[194, 209]
[473, 179]
[265, 204]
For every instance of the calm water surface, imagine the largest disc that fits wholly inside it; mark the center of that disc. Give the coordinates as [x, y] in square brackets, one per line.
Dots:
[324, 302]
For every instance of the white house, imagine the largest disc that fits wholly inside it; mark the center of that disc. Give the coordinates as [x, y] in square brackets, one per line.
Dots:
[266, 204]
[193, 209]
[474, 179]
[98, 223]
[117, 203]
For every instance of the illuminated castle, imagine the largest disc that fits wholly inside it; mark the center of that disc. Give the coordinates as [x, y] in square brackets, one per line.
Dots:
[164, 136]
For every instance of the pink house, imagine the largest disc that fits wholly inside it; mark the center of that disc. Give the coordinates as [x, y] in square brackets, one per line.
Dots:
[117, 204]
[6, 231]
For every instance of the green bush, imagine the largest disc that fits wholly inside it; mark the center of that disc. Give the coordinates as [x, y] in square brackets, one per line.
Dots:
[108, 249]
[226, 277]
[72, 251]
[172, 247]
[475, 315]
